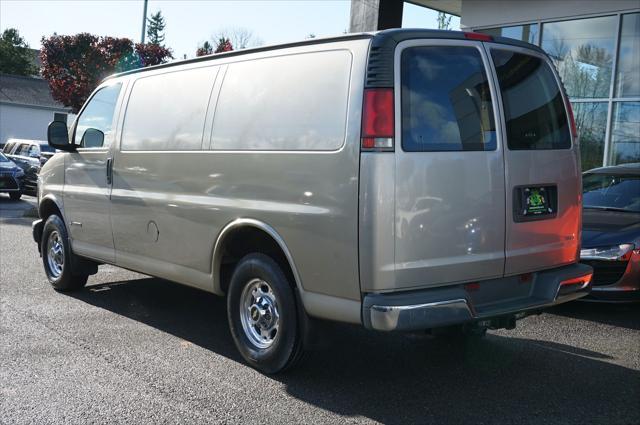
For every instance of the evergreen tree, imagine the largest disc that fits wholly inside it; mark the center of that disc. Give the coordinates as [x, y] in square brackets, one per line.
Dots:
[155, 28]
[15, 57]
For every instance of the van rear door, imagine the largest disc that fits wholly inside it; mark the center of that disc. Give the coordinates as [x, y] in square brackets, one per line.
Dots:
[450, 182]
[543, 180]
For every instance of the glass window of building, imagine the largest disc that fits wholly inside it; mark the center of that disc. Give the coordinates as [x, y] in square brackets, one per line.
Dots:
[591, 120]
[583, 51]
[628, 78]
[625, 134]
[528, 33]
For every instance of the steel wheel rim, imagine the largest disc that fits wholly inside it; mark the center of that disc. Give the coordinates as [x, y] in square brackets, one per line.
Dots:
[259, 313]
[55, 254]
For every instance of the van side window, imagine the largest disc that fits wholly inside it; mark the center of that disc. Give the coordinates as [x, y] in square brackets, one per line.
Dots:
[167, 111]
[293, 102]
[446, 100]
[98, 115]
[533, 106]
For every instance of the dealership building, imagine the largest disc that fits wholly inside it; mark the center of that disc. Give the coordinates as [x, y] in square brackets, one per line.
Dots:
[595, 46]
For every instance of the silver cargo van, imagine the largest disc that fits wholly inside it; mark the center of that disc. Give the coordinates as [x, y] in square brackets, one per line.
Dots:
[401, 180]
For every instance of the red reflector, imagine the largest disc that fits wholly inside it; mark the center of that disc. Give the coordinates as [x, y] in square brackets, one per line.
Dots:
[477, 36]
[526, 278]
[473, 286]
[582, 280]
[377, 118]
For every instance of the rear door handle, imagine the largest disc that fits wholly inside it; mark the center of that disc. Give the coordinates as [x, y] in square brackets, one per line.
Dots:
[109, 170]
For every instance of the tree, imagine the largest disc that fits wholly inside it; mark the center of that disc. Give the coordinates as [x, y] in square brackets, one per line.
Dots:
[75, 64]
[205, 49]
[155, 28]
[444, 21]
[14, 54]
[240, 38]
[223, 45]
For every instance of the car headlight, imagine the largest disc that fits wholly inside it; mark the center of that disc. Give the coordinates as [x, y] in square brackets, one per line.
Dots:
[19, 172]
[620, 252]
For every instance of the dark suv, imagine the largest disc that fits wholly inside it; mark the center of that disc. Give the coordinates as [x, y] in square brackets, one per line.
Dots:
[29, 155]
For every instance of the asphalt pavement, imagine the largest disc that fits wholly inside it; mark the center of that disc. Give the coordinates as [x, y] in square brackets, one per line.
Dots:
[134, 349]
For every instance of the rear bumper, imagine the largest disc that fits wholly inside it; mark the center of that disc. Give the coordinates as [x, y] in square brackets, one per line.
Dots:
[512, 296]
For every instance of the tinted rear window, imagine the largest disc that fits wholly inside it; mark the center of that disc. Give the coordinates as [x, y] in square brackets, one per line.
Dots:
[446, 100]
[533, 105]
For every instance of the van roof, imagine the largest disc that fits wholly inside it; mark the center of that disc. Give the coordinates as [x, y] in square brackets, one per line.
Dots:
[383, 42]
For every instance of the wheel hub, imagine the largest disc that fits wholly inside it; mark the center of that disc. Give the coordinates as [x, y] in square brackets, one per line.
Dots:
[259, 313]
[55, 254]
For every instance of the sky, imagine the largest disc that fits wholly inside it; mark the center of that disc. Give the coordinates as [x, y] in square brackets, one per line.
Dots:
[191, 22]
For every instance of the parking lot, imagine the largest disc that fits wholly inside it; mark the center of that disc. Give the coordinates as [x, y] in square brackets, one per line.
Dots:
[129, 348]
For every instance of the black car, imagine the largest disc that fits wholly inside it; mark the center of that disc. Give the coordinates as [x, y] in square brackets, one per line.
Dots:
[611, 231]
[11, 178]
[29, 155]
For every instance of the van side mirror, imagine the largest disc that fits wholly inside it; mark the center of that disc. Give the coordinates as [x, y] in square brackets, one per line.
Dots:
[92, 138]
[58, 136]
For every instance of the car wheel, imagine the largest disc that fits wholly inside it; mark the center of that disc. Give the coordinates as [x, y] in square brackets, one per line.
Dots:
[57, 256]
[15, 195]
[262, 314]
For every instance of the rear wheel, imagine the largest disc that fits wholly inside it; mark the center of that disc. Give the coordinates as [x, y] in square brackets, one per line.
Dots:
[262, 314]
[57, 256]
[15, 195]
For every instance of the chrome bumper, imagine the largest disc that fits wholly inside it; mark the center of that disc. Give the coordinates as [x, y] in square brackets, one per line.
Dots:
[450, 305]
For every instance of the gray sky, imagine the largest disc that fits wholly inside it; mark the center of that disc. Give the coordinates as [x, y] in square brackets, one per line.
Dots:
[190, 22]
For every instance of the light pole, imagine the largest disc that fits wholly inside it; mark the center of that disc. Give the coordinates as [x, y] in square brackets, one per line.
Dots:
[144, 22]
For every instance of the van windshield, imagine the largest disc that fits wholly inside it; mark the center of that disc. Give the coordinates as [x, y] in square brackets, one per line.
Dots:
[534, 109]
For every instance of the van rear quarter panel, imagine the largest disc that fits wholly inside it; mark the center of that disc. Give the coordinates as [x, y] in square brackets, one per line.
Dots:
[310, 198]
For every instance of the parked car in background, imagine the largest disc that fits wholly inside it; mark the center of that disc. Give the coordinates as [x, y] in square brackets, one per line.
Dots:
[280, 176]
[11, 178]
[30, 155]
[611, 231]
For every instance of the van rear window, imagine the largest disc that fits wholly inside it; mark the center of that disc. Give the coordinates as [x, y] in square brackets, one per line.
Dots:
[446, 100]
[534, 110]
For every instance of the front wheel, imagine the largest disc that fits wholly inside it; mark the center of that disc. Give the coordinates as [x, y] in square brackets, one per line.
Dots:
[57, 256]
[262, 314]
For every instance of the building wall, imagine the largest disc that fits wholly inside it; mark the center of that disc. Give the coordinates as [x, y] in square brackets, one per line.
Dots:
[24, 122]
[491, 13]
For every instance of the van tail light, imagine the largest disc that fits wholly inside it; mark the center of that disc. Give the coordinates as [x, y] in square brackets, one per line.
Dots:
[378, 120]
[477, 36]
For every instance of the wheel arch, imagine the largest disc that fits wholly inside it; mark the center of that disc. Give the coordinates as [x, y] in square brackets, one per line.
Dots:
[49, 205]
[228, 248]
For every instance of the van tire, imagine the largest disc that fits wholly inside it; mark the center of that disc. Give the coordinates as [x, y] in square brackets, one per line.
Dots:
[260, 274]
[59, 273]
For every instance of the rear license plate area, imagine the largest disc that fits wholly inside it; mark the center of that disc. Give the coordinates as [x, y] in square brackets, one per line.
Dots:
[535, 202]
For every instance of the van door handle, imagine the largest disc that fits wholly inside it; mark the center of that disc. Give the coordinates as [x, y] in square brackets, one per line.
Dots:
[109, 170]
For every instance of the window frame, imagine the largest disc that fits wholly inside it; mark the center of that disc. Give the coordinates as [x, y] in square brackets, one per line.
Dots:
[611, 99]
[114, 118]
[543, 56]
[397, 81]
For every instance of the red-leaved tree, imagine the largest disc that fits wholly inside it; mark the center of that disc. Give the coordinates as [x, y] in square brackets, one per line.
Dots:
[222, 45]
[74, 65]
